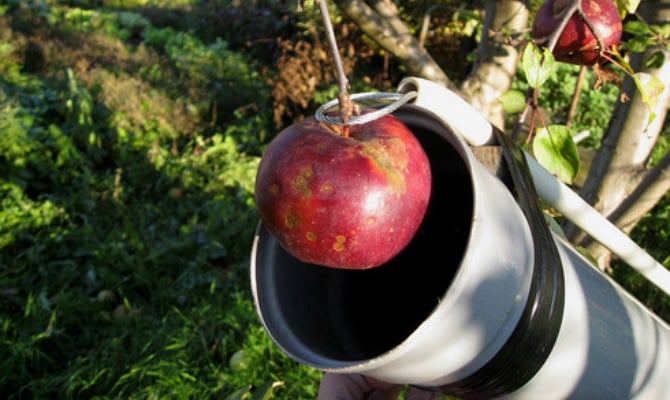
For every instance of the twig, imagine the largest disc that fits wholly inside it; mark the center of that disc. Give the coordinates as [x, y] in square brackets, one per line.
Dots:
[566, 14]
[582, 15]
[575, 96]
[347, 106]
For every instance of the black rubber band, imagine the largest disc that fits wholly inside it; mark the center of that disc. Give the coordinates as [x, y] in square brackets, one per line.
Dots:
[533, 338]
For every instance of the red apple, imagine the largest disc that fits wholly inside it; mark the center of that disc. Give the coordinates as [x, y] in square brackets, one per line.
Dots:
[577, 44]
[345, 202]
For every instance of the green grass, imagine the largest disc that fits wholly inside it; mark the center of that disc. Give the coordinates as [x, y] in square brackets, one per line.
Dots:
[127, 213]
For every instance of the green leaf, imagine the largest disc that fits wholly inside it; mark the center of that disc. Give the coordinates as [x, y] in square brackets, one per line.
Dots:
[639, 44]
[637, 28]
[513, 101]
[555, 150]
[264, 392]
[661, 30]
[538, 64]
[655, 60]
[628, 5]
[240, 394]
[650, 87]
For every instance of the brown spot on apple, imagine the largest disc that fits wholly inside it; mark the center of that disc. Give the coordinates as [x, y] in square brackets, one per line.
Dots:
[311, 236]
[291, 220]
[391, 159]
[326, 188]
[274, 189]
[339, 243]
[301, 182]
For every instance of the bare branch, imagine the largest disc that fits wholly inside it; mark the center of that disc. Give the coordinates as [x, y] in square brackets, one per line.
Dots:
[654, 185]
[384, 26]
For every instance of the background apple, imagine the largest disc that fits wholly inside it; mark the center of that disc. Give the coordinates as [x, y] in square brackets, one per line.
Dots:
[577, 44]
[346, 202]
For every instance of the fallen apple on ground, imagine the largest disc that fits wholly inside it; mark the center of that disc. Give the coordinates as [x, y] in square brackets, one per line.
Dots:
[577, 43]
[345, 202]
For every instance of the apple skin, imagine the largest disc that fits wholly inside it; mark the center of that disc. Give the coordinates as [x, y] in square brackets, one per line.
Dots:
[344, 202]
[577, 44]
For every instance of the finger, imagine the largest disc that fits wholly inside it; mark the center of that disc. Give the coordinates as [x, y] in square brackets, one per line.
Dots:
[354, 387]
[420, 394]
[385, 394]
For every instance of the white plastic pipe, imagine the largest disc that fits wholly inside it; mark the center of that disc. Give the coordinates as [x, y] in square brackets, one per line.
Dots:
[461, 117]
[595, 224]
[476, 130]
[608, 347]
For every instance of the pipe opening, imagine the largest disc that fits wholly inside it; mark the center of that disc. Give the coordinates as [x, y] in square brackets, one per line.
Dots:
[350, 316]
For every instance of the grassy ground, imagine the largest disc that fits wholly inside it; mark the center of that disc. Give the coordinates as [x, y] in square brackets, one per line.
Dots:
[127, 157]
[130, 133]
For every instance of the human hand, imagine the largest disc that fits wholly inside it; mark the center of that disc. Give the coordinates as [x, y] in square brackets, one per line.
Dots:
[361, 387]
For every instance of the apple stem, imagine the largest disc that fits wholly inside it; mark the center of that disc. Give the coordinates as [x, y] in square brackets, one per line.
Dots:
[582, 15]
[347, 106]
[566, 14]
[575, 6]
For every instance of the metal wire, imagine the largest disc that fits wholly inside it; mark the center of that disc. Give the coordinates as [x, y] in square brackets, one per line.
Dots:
[375, 99]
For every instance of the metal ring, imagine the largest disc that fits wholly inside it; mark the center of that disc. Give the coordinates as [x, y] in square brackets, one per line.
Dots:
[397, 100]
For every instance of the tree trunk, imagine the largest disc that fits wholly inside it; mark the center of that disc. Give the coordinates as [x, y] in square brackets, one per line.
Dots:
[619, 183]
[497, 65]
[382, 23]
